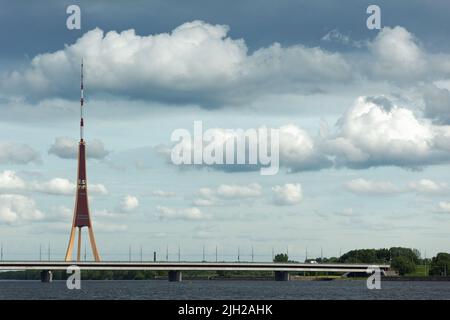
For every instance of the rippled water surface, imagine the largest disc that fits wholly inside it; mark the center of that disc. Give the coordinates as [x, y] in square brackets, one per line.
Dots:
[198, 289]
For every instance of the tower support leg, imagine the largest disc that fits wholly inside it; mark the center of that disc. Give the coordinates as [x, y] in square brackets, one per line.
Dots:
[70, 246]
[79, 244]
[93, 244]
[281, 276]
[175, 276]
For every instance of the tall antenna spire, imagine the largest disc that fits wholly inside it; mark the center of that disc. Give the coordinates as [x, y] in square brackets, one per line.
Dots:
[81, 103]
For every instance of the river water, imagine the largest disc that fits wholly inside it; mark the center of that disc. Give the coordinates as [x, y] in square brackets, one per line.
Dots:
[204, 289]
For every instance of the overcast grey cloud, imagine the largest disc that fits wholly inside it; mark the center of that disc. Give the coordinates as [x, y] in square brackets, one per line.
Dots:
[437, 103]
[15, 153]
[287, 21]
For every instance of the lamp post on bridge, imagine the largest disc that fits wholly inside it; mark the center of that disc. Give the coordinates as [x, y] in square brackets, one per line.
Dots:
[253, 260]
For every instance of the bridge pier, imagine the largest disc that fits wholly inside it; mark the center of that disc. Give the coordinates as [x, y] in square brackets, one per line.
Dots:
[46, 276]
[175, 276]
[281, 276]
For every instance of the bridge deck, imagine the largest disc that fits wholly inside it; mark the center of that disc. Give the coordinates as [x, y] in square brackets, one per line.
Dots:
[188, 266]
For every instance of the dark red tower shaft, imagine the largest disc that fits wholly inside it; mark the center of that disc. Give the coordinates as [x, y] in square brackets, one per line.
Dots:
[82, 218]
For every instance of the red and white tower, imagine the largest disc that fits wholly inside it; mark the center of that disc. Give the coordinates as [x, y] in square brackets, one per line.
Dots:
[81, 217]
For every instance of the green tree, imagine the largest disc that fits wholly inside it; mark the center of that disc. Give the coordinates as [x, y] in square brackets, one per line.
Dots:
[360, 256]
[327, 260]
[383, 255]
[411, 254]
[403, 265]
[281, 257]
[440, 265]
[379, 256]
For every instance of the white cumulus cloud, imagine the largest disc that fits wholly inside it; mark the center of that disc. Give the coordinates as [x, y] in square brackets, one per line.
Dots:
[287, 194]
[376, 132]
[373, 132]
[444, 207]
[225, 192]
[428, 186]
[369, 187]
[16, 209]
[196, 62]
[129, 203]
[192, 213]
[299, 151]
[10, 181]
[397, 54]
[67, 148]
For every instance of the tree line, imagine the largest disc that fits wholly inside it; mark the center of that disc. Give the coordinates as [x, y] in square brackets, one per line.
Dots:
[403, 260]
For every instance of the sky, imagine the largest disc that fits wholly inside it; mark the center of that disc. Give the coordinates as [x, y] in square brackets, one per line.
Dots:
[363, 116]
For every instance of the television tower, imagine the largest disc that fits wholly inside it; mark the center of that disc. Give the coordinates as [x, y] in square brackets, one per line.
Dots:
[81, 217]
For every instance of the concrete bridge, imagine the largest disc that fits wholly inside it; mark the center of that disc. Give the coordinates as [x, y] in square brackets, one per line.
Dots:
[281, 270]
